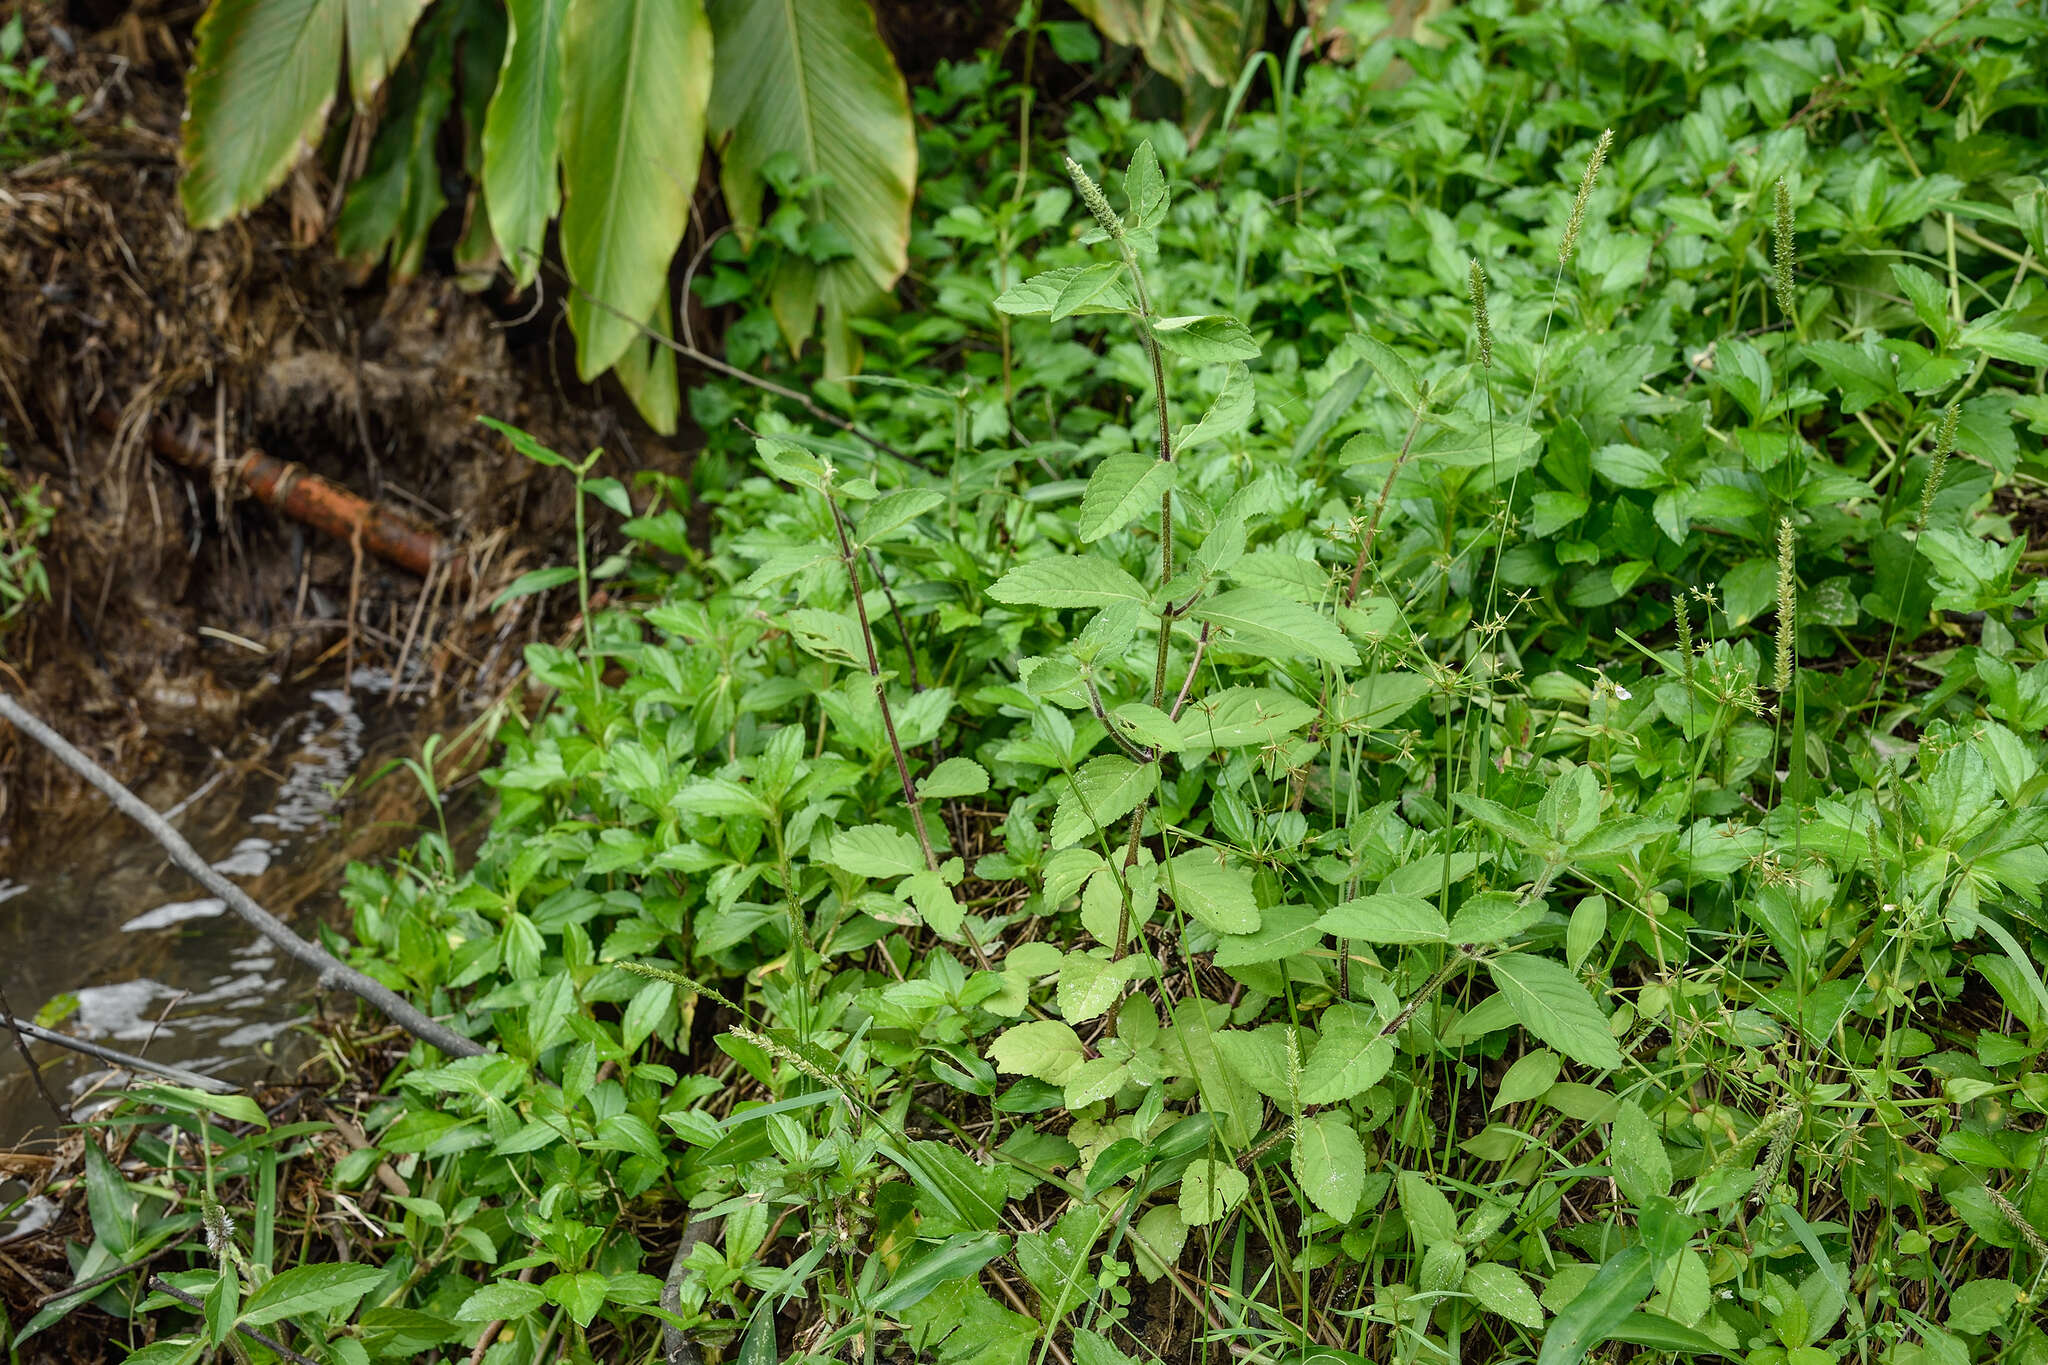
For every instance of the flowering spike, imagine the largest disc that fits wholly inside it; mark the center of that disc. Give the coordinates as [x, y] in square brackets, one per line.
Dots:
[1586, 183]
[1095, 199]
[1785, 250]
[1788, 609]
[1482, 324]
[1944, 446]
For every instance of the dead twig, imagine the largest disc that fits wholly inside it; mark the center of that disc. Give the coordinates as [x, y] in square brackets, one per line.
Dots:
[332, 972]
[161, 1286]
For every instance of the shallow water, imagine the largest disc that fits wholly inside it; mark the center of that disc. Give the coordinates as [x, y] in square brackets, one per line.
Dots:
[151, 964]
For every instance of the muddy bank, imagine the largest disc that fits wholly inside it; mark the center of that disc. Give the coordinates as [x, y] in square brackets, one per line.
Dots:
[180, 606]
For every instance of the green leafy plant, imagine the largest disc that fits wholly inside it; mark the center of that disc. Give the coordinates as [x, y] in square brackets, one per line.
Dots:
[598, 114]
[35, 117]
[25, 519]
[1242, 788]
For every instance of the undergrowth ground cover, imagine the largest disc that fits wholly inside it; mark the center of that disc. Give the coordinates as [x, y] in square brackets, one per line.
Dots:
[1413, 732]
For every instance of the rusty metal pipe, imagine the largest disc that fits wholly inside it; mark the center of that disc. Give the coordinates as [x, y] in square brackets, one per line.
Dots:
[292, 491]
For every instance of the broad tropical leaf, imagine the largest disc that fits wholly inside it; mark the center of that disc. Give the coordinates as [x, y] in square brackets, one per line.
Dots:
[1183, 40]
[810, 81]
[521, 189]
[378, 31]
[399, 195]
[262, 80]
[636, 76]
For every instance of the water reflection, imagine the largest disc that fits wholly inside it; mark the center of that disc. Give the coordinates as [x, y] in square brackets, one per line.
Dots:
[150, 967]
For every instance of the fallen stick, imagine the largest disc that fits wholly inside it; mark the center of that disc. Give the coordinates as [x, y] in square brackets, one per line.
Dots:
[332, 972]
[113, 1057]
[157, 1283]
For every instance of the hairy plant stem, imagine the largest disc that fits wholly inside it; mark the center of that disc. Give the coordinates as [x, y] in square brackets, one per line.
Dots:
[1429, 989]
[867, 637]
[1167, 612]
[1372, 525]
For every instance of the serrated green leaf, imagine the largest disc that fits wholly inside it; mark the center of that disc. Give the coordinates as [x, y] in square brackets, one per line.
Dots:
[1206, 339]
[1270, 625]
[1107, 787]
[1283, 931]
[1240, 716]
[1500, 1290]
[505, 1299]
[1044, 1048]
[1329, 1164]
[1493, 917]
[1228, 415]
[1431, 1219]
[1122, 488]
[895, 510]
[1641, 1166]
[876, 851]
[1386, 918]
[1552, 1004]
[309, 1289]
[1204, 884]
[1068, 581]
[1348, 1060]
[1145, 187]
[1085, 289]
[1210, 1189]
[954, 777]
[1395, 375]
[1089, 984]
[1040, 294]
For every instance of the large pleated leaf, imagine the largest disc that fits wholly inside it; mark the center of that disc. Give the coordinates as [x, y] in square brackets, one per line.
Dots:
[262, 80]
[1185, 41]
[810, 83]
[521, 151]
[636, 76]
[395, 202]
[378, 31]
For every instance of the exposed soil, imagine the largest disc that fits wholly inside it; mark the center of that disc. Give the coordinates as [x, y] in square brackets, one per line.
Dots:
[177, 602]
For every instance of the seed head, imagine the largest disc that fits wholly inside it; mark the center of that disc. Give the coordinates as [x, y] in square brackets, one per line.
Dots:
[1683, 619]
[2019, 1222]
[219, 1225]
[1786, 253]
[1093, 197]
[1586, 183]
[1774, 1162]
[1944, 446]
[1788, 608]
[1482, 325]
[786, 1053]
